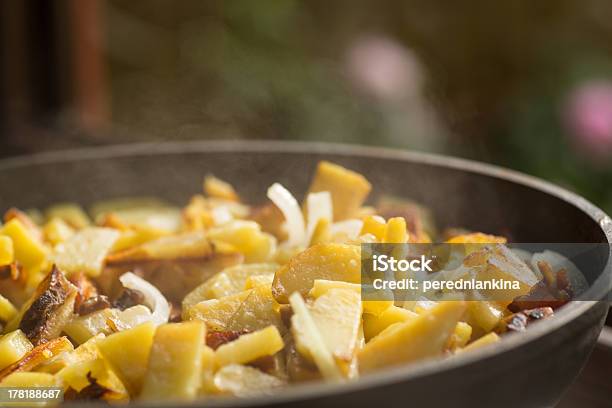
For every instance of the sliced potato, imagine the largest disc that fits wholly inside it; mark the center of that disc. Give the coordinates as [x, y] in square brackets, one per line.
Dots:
[13, 346]
[7, 310]
[460, 337]
[247, 238]
[347, 188]
[250, 310]
[81, 374]
[374, 324]
[259, 280]
[70, 213]
[484, 314]
[249, 347]
[245, 381]
[82, 328]
[375, 225]
[37, 356]
[217, 188]
[337, 262]
[173, 247]
[207, 385]
[426, 334]
[337, 315]
[175, 362]
[56, 231]
[7, 252]
[85, 251]
[375, 307]
[28, 249]
[49, 309]
[227, 282]
[312, 341]
[481, 342]
[85, 352]
[396, 231]
[128, 353]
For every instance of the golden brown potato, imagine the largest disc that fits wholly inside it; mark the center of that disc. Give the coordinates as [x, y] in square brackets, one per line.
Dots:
[347, 188]
[250, 310]
[338, 262]
[426, 336]
[175, 362]
[49, 309]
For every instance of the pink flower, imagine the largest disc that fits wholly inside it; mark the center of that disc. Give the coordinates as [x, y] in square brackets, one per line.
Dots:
[383, 68]
[589, 118]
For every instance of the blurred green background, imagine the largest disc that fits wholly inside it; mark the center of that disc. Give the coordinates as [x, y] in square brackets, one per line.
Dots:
[519, 83]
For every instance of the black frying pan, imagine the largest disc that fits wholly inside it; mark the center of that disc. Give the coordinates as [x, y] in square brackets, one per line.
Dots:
[527, 369]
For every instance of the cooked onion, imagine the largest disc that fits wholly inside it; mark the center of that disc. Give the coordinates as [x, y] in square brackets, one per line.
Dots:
[319, 206]
[282, 198]
[350, 229]
[160, 308]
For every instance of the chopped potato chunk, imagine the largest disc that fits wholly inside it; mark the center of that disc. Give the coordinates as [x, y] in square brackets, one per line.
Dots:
[7, 310]
[337, 315]
[426, 334]
[13, 346]
[250, 310]
[247, 238]
[85, 251]
[72, 214]
[28, 250]
[245, 381]
[249, 347]
[56, 231]
[7, 252]
[347, 188]
[175, 362]
[338, 262]
[128, 353]
[312, 340]
[214, 187]
[373, 325]
[481, 342]
[228, 282]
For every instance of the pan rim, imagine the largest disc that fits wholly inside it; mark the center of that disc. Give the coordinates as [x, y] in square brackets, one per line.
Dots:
[391, 375]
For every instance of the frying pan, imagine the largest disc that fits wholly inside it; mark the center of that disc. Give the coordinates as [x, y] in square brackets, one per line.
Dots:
[524, 370]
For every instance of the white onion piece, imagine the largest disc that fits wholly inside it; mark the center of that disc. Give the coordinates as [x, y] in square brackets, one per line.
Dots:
[319, 206]
[294, 220]
[348, 228]
[221, 215]
[160, 308]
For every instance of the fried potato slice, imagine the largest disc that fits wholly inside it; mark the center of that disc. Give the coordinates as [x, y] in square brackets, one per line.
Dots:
[250, 347]
[49, 309]
[37, 356]
[249, 310]
[415, 339]
[245, 381]
[128, 353]
[228, 282]
[348, 189]
[183, 246]
[175, 362]
[85, 251]
[337, 315]
[336, 262]
[13, 346]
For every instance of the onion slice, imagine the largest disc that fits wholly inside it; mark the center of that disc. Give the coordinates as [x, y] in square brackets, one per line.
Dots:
[319, 206]
[348, 228]
[160, 308]
[282, 198]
